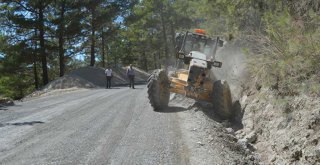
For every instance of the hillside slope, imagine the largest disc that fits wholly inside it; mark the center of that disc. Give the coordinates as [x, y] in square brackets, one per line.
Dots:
[280, 130]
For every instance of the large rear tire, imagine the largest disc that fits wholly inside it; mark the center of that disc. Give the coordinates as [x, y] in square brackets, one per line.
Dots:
[158, 91]
[222, 101]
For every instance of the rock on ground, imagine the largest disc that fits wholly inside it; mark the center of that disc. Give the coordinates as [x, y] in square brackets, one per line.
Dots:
[207, 136]
[287, 130]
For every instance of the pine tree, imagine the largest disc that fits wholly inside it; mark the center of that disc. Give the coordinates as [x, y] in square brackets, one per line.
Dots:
[66, 19]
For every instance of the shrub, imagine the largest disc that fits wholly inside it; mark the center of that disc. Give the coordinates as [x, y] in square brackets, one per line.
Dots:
[289, 57]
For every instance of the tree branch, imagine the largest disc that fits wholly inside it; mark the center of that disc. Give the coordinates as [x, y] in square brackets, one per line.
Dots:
[24, 7]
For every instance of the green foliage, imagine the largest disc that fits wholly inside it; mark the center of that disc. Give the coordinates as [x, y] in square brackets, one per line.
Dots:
[15, 86]
[15, 74]
[288, 61]
[151, 29]
[287, 35]
[288, 32]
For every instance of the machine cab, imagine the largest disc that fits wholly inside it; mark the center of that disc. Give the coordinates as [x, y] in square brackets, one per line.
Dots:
[197, 46]
[197, 52]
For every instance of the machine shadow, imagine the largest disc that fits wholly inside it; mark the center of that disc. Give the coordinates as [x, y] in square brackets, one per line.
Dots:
[238, 111]
[235, 121]
[174, 109]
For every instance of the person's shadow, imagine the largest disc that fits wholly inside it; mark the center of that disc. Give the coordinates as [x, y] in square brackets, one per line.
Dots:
[3, 108]
[30, 123]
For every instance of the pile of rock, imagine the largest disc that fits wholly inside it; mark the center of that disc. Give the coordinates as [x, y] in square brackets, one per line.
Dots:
[5, 101]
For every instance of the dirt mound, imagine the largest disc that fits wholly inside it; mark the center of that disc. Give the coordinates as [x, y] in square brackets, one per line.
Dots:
[89, 77]
[69, 81]
[5, 101]
[94, 77]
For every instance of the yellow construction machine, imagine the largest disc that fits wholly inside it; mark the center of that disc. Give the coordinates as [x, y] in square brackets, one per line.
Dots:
[191, 77]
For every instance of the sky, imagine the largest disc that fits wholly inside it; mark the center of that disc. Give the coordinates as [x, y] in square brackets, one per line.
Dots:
[119, 19]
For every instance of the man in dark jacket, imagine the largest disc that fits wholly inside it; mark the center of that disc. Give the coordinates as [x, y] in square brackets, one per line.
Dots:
[130, 74]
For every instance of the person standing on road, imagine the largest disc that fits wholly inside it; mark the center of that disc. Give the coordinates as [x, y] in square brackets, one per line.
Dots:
[108, 73]
[130, 74]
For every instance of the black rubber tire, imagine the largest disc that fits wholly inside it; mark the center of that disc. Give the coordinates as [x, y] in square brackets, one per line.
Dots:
[158, 91]
[222, 101]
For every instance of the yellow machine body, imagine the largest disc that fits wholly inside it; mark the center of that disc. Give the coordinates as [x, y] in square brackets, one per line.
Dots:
[191, 78]
[198, 91]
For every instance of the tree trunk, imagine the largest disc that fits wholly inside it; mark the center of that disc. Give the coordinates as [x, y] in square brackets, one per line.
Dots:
[92, 61]
[42, 46]
[107, 58]
[115, 60]
[165, 40]
[155, 60]
[173, 41]
[102, 49]
[61, 39]
[145, 61]
[35, 72]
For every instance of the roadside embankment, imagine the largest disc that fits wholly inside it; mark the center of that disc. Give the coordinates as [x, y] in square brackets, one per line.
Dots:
[278, 129]
[286, 129]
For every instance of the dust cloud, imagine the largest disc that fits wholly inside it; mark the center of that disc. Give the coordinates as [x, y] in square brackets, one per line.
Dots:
[233, 68]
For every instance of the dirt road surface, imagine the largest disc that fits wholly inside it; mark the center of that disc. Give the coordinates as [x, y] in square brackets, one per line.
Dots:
[114, 126]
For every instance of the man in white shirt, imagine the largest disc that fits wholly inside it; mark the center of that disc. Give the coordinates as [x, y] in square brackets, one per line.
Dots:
[108, 73]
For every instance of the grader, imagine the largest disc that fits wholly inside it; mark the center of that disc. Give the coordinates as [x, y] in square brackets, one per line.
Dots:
[195, 57]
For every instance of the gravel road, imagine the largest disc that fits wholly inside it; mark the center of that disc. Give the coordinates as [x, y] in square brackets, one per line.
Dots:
[115, 126]
[102, 126]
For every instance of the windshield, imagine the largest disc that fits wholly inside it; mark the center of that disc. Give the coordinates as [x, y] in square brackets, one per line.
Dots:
[201, 43]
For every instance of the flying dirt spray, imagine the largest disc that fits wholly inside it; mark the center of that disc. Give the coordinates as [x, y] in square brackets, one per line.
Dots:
[233, 69]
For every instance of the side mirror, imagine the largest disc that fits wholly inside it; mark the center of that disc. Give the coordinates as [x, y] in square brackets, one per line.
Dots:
[180, 55]
[217, 64]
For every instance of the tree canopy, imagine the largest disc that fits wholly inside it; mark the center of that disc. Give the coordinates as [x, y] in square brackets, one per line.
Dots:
[42, 40]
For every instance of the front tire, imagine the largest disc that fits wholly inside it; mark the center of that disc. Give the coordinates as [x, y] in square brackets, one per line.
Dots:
[158, 91]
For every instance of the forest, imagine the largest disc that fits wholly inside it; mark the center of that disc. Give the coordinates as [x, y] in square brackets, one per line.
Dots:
[41, 40]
